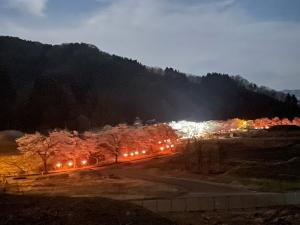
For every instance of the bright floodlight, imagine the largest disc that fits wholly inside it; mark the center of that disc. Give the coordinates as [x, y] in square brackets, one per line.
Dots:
[125, 154]
[159, 142]
[167, 146]
[70, 163]
[143, 152]
[136, 153]
[58, 165]
[162, 148]
[189, 129]
[83, 162]
[172, 146]
[132, 154]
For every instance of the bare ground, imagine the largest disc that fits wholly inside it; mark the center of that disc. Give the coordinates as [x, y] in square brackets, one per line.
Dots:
[266, 161]
[90, 183]
[42, 210]
[263, 216]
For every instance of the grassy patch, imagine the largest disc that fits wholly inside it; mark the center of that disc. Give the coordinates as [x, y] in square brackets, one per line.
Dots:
[91, 183]
[272, 185]
[260, 184]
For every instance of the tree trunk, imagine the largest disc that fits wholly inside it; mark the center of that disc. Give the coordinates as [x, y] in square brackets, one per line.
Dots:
[45, 166]
[74, 163]
[116, 158]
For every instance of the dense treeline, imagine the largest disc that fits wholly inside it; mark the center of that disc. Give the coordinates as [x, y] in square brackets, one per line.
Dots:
[76, 86]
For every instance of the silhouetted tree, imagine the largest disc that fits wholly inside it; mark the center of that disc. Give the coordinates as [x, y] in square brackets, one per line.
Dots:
[7, 100]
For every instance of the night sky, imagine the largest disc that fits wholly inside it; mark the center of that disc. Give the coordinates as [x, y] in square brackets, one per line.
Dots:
[257, 39]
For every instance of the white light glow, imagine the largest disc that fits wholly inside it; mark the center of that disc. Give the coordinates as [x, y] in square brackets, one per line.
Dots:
[188, 129]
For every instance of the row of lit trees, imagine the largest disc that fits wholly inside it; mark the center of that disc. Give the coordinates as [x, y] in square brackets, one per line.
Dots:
[108, 142]
[267, 122]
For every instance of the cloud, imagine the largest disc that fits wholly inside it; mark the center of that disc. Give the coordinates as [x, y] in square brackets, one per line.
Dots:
[35, 7]
[198, 37]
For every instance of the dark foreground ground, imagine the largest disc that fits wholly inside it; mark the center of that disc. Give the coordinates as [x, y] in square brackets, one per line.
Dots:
[270, 216]
[41, 210]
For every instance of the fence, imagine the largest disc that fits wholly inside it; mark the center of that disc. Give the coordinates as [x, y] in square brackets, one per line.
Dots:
[220, 202]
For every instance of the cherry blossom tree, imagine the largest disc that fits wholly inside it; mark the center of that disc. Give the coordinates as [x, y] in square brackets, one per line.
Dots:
[19, 164]
[92, 146]
[66, 144]
[114, 139]
[37, 144]
[296, 121]
[75, 146]
[70, 145]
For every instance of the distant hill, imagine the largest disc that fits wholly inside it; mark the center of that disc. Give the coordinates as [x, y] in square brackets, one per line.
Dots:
[78, 86]
[7, 141]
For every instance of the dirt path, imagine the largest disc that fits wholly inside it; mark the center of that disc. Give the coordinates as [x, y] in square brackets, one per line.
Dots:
[192, 186]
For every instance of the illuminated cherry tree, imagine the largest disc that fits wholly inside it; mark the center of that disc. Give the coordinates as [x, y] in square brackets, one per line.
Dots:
[75, 146]
[113, 139]
[37, 144]
[66, 144]
[92, 146]
[296, 121]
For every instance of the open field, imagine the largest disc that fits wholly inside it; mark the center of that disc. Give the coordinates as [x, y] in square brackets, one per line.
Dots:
[91, 183]
[261, 161]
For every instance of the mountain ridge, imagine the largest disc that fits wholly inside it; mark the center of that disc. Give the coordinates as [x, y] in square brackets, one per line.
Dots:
[77, 86]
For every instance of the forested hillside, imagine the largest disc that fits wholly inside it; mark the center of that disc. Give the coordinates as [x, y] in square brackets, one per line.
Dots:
[293, 92]
[79, 87]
